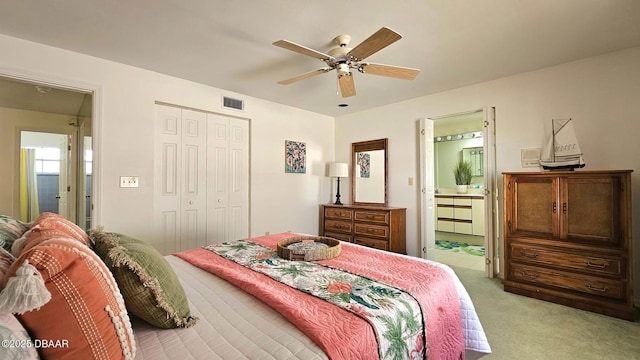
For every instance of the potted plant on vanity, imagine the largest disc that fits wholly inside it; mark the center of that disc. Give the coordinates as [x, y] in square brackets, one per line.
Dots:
[462, 174]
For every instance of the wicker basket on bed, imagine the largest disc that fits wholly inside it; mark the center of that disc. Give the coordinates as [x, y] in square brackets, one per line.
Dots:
[308, 248]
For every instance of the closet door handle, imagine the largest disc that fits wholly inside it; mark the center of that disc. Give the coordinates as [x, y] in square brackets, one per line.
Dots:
[564, 208]
[555, 207]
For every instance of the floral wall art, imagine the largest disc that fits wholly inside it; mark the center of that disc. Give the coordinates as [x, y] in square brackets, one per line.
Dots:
[295, 157]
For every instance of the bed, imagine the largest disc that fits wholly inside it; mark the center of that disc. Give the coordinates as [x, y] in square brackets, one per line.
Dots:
[247, 327]
[231, 310]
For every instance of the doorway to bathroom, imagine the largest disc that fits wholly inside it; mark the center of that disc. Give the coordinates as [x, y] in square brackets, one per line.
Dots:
[458, 224]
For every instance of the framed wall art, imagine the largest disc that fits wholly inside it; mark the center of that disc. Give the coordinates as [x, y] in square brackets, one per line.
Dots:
[295, 157]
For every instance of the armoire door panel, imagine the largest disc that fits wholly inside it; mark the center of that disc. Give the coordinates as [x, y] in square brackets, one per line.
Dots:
[591, 210]
[535, 207]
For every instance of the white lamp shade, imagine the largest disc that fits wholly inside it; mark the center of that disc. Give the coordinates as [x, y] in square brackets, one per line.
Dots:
[338, 170]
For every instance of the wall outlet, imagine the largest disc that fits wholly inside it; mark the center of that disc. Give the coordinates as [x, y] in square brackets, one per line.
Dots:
[128, 181]
[410, 182]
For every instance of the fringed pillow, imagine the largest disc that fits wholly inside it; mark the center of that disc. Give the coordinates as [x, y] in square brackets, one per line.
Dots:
[64, 293]
[150, 287]
[6, 260]
[10, 230]
[12, 332]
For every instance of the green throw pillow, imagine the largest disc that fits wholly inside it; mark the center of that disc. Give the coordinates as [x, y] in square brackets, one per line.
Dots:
[150, 287]
[10, 230]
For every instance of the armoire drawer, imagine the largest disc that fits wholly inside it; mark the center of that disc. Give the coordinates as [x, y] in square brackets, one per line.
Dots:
[339, 226]
[593, 285]
[371, 230]
[593, 264]
[373, 217]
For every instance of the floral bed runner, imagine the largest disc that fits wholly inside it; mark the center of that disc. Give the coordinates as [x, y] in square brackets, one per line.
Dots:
[343, 334]
[394, 314]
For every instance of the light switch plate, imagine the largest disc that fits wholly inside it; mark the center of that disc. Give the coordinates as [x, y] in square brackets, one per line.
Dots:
[530, 157]
[128, 181]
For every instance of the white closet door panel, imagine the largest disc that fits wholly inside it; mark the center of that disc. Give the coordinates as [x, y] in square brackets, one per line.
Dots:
[217, 230]
[194, 193]
[217, 212]
[239, 177]
[238, 226]
[170, 226]
[167, 179]
[228, 185]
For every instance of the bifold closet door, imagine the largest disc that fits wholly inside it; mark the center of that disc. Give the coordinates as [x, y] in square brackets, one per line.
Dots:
[180, 179]
[227, 178]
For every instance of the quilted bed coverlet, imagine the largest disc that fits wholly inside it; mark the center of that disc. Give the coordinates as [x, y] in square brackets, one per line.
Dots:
[345, 335]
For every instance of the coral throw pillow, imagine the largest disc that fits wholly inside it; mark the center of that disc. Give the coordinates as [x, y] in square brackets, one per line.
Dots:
[85, 315]
[47, 226]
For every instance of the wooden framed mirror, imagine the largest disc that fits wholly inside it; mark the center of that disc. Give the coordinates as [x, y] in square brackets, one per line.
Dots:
[369, 172]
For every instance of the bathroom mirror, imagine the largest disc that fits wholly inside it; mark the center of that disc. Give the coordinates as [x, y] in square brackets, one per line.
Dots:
[369, 172]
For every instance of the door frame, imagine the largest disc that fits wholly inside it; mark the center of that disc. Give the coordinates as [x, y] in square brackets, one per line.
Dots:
[427, 183]
[96, 126]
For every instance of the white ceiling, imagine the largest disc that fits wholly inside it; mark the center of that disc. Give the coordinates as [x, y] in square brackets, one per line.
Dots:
[228, 44]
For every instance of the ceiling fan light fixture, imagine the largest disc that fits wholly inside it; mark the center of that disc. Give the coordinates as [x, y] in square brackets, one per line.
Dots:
[342, 69]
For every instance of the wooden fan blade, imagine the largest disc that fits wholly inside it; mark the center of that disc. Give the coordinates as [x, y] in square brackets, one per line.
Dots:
[347, 85]
[390, 71]
[374, 43]
[304, 76]
[286, 44]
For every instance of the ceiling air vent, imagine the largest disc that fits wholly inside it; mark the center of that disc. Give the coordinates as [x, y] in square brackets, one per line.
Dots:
[231, 103]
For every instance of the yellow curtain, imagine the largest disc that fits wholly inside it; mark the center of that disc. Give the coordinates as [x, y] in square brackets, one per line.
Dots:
[29, 208]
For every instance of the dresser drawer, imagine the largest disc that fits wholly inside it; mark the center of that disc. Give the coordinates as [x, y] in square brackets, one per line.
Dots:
[593, 285]
[343, 237]
[339, 226]
[376, 217]
[444, 225]
[333, 213]
[592, 264]
[462, 213]
[445, 212]
[371, 230]
[377, 244]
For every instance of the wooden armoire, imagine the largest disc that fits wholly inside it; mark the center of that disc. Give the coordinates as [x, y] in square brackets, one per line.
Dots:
[567, 239]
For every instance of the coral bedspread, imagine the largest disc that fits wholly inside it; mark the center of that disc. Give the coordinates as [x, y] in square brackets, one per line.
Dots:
[340, 333]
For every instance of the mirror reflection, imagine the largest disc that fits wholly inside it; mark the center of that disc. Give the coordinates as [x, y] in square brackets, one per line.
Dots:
[474, 156]
[369, 173]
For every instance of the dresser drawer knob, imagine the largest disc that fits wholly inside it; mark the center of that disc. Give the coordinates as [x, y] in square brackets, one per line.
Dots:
[528, 255]
[596, 266]
[528, 275]
[602, 289]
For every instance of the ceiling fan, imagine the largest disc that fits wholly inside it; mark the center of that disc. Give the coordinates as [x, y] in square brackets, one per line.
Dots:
[343, 59]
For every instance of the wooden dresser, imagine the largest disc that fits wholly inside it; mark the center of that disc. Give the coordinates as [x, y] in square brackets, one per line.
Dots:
[374, 226]
[568, 239]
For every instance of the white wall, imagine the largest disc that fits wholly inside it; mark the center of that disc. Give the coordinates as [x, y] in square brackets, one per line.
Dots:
[125, 103]
[600, 93]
